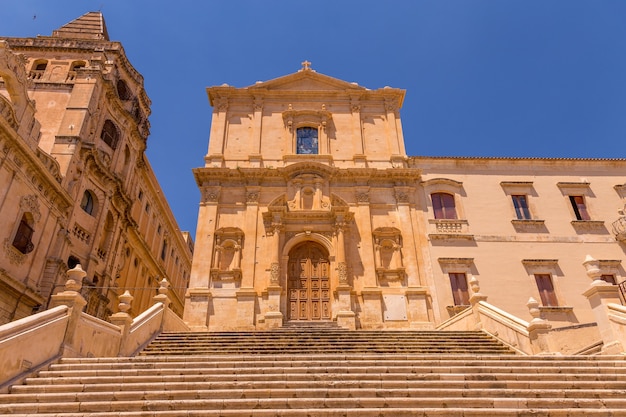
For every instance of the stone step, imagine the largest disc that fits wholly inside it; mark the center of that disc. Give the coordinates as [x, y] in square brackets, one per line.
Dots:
[381, 402]
[306, 383]
[311, 393]
[342, 373]
[353, 412]
[334, 369]
[324, 361]
[467, 359]
[325, 340]
[283, 377]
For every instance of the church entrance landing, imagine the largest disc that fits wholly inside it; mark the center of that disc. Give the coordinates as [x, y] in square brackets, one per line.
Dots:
[309, 283]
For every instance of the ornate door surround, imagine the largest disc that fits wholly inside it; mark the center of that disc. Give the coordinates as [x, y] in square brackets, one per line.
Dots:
[308, 283]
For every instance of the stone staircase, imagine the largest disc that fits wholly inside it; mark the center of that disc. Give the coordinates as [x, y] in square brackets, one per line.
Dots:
[325, 372]
[326, 340]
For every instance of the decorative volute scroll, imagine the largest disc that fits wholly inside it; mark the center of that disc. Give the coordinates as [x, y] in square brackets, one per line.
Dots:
[306, 117]
[226, 264]
[388, 255]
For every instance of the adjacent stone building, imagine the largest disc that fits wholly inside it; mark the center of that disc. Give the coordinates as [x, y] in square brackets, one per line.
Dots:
[311, 211]
[75, 183]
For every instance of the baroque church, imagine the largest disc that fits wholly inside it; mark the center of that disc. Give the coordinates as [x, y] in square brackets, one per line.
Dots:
[332, 274]
[312, 212]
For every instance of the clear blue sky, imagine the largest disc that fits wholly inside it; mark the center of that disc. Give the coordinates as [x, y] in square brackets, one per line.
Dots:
[539, 78]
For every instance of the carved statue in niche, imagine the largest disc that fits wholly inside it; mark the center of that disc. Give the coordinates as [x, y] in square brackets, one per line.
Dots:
[388, 255]
[226, 264]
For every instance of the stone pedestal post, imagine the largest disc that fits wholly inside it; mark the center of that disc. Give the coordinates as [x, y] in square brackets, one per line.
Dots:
[475, 300]
[371, 315]
[71, 297]
[600, 293]
[123, 320]
[417, 306]
[538, 329]
[273, 317]
[246, 300]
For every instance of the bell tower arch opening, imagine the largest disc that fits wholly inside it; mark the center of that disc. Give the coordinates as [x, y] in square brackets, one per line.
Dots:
[308, 283]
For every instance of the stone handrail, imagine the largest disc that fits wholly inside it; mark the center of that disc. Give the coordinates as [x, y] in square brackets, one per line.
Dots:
[526, 337]
[143, 329]
[31, 343]
[95, 338]
[461, 321]
[504, 326]
[173, 323]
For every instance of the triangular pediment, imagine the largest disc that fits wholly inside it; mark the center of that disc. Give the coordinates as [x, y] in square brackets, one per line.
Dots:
[306, 80]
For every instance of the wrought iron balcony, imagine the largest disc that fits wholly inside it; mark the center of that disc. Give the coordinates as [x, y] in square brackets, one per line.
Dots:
[619, 229]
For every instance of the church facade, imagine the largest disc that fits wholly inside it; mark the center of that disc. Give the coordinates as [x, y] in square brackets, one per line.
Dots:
[312, 212]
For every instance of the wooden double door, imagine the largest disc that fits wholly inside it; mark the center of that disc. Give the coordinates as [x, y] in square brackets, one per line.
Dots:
[309, 283]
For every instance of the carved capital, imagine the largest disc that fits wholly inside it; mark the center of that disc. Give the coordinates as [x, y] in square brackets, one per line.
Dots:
[402, 196]
[221, 104]
[252, 197]
[362, 197]
[210, 194]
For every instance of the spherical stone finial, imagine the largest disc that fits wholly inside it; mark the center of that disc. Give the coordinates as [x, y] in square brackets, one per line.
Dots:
[533, 308]
[474, 285]
[593, 270]
[75, 278]
[125, 300]
[163, 286]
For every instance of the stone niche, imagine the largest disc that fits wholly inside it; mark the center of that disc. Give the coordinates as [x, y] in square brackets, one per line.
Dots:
[226, 266]
[388, 257]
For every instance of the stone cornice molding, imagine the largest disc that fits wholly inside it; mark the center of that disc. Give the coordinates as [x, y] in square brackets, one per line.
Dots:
[37, 172]
[439, 181]
[540, 262]
[86, 46]
[326, 89]
[466, 262]
[256, 176]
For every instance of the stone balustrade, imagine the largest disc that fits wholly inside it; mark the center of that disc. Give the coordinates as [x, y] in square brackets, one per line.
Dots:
[64, 330]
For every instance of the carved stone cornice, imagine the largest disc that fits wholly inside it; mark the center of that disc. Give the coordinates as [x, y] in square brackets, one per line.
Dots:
[86, 46]
[36, 172]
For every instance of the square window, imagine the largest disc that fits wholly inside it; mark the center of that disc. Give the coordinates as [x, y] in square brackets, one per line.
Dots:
[306, 141]
[460, 294]
[520, 202]
[579, 207]
[546, 290]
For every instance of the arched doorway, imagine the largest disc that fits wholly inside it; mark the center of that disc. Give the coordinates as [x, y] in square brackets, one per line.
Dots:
[308, 283]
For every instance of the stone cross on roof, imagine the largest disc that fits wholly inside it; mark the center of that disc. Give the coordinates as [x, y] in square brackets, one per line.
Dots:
[306, 65]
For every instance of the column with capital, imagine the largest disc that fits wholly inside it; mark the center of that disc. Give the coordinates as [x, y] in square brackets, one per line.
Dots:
[198, 296]
[273, 316]
[256, 153]
[345, 316]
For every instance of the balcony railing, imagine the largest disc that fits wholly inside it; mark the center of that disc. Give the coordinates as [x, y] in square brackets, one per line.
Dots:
[619, 229]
